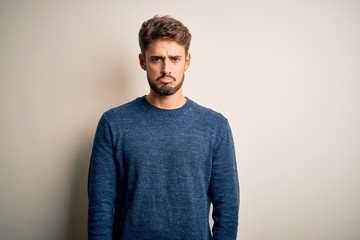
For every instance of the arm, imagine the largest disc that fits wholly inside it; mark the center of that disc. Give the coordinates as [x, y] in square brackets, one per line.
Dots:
[224, 186]
[101, 184]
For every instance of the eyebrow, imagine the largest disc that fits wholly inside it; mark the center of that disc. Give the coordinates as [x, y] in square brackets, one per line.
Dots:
[161, 57]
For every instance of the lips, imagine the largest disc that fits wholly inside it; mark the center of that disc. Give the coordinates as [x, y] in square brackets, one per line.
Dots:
[166, 80]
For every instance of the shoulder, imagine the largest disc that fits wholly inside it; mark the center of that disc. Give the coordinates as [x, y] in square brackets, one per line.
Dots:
[123, 111]
[208, 115]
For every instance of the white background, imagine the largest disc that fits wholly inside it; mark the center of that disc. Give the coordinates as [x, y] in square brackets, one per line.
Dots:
[285, 73]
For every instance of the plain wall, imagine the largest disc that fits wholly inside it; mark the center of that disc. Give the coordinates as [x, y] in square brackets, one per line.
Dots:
[285, 73]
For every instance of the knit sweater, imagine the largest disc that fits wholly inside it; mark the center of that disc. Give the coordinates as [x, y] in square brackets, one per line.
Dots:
[154, 172]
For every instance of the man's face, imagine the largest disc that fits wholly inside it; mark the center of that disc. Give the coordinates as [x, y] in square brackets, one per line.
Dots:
[165, 63]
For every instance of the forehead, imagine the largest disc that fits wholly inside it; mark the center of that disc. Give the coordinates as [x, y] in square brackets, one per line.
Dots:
[165, 47]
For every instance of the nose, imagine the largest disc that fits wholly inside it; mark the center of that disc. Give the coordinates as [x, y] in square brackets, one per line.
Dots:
[166, 67]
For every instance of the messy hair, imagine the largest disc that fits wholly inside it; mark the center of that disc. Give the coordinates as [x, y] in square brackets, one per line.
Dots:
[163, 27]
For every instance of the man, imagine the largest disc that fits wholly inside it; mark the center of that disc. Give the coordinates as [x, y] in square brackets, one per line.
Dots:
[159, 161]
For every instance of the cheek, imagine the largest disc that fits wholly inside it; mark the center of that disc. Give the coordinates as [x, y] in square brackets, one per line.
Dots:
[154, 68]
[153, 73]
[151, 70]
[179, 70]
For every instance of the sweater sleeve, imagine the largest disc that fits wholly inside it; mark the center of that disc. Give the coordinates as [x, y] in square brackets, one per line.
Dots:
[101, 184]
[224, 186]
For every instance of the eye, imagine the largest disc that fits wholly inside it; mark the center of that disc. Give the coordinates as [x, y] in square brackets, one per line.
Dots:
[155, 59]
[176, 58]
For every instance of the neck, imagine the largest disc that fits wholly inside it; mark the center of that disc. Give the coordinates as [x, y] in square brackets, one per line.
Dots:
[174, 101]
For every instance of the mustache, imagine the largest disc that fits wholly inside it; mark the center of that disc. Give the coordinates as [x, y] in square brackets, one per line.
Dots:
[166, 76]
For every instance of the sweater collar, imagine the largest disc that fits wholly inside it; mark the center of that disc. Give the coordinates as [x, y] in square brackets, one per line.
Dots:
[169, 112]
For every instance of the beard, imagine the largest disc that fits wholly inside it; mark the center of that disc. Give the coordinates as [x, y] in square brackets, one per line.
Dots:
[165, 89]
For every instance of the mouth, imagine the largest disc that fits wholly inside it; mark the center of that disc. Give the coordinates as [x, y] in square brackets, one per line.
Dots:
[166, 79]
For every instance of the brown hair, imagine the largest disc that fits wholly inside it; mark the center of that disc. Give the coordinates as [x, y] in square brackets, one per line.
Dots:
[163, 27]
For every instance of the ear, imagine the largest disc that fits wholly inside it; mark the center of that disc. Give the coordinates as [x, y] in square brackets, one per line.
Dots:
[187, 61]
[142, 61]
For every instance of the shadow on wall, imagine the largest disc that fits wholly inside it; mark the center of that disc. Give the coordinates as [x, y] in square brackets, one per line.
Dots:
[77, 222]
[116, 92]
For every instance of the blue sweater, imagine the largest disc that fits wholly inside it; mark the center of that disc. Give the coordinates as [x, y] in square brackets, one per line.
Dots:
[154, 172]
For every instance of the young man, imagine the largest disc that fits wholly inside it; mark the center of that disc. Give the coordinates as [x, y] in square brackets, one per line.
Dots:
[159, 161]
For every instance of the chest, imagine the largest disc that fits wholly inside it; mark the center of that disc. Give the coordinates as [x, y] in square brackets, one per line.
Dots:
[165, 148]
